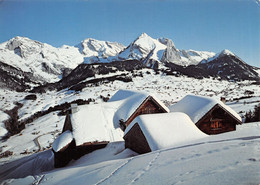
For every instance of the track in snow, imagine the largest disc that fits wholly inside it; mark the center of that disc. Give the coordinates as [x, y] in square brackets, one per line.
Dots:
[147, 168]
[114, 172]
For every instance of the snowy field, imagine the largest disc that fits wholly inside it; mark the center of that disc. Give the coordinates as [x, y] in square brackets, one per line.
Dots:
[231, 158]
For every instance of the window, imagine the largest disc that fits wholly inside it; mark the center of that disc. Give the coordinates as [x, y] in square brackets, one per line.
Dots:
[215, 124]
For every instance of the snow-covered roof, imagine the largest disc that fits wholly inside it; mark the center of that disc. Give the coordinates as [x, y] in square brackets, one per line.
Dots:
[63, 140]
[95, 123]
[130, 102]
[197, 106]
[166, 130]
[100, 122]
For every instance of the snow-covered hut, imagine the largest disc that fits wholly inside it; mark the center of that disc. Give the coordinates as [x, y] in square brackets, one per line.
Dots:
[91, 127]
[133, 104]
[152, 132]
[209, 115]
[88, 128]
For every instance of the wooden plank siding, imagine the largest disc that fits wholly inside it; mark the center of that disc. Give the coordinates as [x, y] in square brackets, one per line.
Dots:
[67, 124]
[71, 151]
[149, 106]
[136, 141]
[217, 121]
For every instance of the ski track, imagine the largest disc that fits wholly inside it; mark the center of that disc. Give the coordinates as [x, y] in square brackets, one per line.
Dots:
[115, 171]
[147, 168]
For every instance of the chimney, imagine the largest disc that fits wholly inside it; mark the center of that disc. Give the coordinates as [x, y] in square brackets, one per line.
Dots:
[74, 108]
[223, 99]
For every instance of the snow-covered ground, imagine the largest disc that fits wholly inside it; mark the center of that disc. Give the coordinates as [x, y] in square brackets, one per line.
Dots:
[168, 89]
[230, 158]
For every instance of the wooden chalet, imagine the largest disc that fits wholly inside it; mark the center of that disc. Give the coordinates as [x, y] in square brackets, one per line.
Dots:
[209, 115]
[152, 132]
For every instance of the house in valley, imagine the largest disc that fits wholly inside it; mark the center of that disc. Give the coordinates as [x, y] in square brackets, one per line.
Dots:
[152, 132]
[91, 127]
[209, 115]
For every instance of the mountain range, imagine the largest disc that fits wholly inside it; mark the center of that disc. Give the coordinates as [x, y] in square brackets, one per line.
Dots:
[25, 63]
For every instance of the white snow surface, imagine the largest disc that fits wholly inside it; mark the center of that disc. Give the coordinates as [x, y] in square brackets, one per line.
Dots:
[167, 129]
[64, 139]
[230, 158]
[3, 117]
[95, 123]
[197, 106]
[192, 57]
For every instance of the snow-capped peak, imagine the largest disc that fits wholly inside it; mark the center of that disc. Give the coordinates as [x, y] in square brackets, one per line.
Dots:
[144, 35]
[220, 54]
[23, 46]
[94, 50]
[144, 47]
[226, 52]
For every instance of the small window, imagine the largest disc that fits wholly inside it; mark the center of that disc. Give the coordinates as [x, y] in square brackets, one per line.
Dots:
[215, 124]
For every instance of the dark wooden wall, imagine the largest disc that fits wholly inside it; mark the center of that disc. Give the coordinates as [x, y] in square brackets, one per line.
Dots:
[136, 141]
[148, 107]
[217, 121]
[67, 124]
[65, 155]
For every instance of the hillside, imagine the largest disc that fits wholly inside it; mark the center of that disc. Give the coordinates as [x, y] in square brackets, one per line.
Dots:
[216, 159]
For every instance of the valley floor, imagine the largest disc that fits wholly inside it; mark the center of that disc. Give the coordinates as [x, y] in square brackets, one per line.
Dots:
[230, 158]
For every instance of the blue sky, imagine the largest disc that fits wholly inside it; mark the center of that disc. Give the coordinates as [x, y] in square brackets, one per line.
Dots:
[206, 25]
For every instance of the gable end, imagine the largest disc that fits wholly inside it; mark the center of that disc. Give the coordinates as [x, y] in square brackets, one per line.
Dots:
[140, 110]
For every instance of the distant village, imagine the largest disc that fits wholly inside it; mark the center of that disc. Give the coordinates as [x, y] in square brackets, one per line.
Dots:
[142, 121]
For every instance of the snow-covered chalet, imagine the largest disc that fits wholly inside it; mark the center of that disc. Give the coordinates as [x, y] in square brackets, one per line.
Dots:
[152, 132]
[91, 127]
[209, 115]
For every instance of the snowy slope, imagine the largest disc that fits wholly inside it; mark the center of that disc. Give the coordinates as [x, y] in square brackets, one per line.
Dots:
[99, 51]
[230, 158]
[192, 57]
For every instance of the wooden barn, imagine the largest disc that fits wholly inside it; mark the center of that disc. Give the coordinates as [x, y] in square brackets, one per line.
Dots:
[91, 127]
[134, 104]
[152, 132]
[209, 115]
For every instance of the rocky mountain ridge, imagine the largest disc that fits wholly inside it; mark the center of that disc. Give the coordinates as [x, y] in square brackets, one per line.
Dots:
[27, 63]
